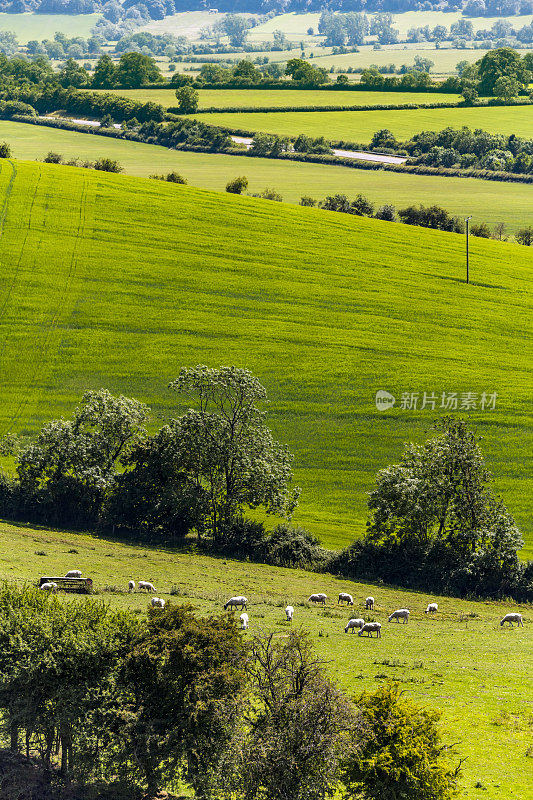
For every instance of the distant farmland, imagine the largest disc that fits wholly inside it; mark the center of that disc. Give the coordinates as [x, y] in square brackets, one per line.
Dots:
[359, 126]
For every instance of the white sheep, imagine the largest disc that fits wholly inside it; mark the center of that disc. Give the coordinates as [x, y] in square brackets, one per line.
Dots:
[432, 608]
[401, 613]
[147, 585]
[510, 618]
[48, 587]
[289, 612]
[157, 602]
[235, 602]
[131, 586]
[353, 624]
[73, 573]
[244, 620]
[369, 603]
[318, 598]
[344, 597]
[369, 628]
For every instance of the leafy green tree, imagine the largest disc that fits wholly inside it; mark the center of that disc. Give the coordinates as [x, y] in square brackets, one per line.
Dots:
[72, 74]
[226, 447]
[180, 700]
[506, 87]
[104, 75]
[5, 150]
[155, 493]
[188, 99]
[399, 754]
[237, 185]
[136, 69]
[361, 206]
[303, 72]
[55, 659]
[67, 469]
[525, 236]
[235, 27]
[108, 165]
[501, 63]
[299, 725]
[246, 71]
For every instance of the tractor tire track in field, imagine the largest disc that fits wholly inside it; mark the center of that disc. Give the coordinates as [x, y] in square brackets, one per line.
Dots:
[40, 355]
[14, 278]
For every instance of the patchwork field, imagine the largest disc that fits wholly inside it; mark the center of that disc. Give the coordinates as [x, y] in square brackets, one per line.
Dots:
[43, 26]
[359, 126]
[244, 98]
[488, 201]
[118, 282]
[461, 660]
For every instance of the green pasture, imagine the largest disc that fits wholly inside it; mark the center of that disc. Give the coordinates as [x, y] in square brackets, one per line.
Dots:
[488, 201]
[460, 660]
[445, 59]
[295, 25]
[359, 126]
[43, 26]
[245, 98]
[117, 282]
[187, 23]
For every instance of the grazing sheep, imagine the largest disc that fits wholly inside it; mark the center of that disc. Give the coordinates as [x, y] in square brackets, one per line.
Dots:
[235, 602]
[131, 586]
[401, 613]
[73, 573]
[510, 618]
[318, 598]
[289, 611]
[369, 628]
[345, 598]
[48, 587]
[244, 621]
[369, 603]
[147, 585]
[432, 608]
[157, 602]
[353, 624]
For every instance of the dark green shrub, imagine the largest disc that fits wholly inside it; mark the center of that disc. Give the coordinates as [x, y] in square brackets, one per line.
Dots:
[237, 185]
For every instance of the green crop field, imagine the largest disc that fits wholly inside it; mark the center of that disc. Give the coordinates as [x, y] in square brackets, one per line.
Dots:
[358, 126]
[488, 201]
[461, 660]
[43, 26]
[244, 98]
[118, 282]
[444, 60]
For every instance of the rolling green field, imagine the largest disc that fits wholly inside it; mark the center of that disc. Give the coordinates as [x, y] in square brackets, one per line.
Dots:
[244, 98]
[359, 126]
[295, 25]
[488, 201]
[118, 282]
[43, 26]
[460, 660]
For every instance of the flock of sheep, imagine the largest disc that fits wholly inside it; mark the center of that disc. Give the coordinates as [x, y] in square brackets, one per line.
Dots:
[368, 628]
[240, 601]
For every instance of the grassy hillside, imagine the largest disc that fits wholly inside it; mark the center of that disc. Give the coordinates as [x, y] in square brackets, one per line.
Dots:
[359, 126]
[118, 282]
[491, 202]
[244, 98]
[460, 661]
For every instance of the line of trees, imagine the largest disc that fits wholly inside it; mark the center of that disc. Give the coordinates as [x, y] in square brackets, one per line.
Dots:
[90, 693]
[434, 522]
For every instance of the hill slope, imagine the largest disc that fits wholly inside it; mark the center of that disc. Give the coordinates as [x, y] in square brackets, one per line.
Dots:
[459, 660]
[118, 282]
